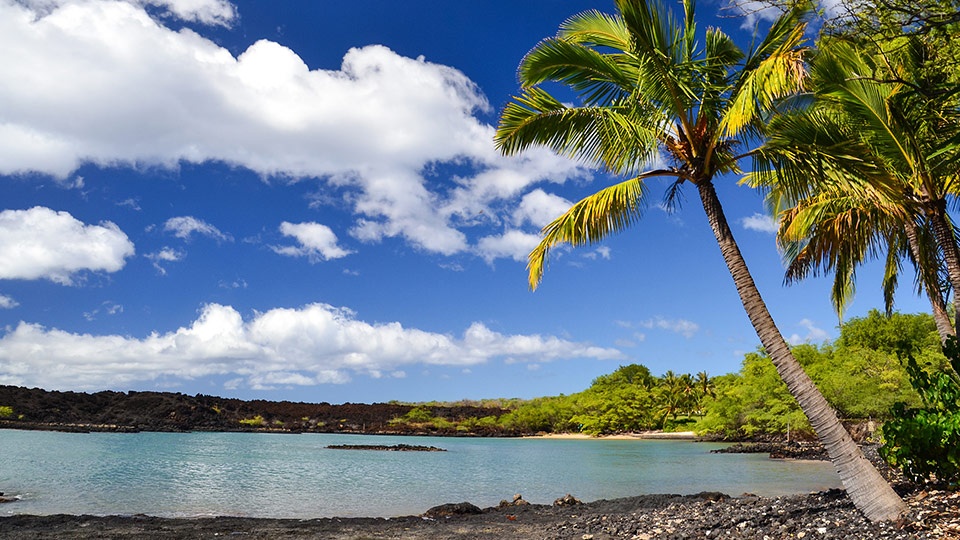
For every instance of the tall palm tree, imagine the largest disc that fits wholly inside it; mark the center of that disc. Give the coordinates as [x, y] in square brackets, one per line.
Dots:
[868, 169]
[645, 86]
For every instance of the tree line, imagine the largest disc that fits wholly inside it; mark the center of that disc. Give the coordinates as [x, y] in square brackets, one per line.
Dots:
[862, 374]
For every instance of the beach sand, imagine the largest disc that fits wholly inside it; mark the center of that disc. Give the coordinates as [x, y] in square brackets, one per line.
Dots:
[677, 435]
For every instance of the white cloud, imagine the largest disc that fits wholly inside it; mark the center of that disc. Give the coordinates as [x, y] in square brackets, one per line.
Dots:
[602, 252]
[512, 244]
[106, 308]
[186, 226]
[41, 243]
[680, 326]
[540, 208]
[143, 94]
[165, 255]
[213, 12]
[317, 242]
[760, 222]
[754, 11]
[813, 333]
[7, 302]
[312, 345]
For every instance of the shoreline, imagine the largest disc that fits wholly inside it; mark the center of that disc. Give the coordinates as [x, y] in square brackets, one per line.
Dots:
[642, 435]
[823, 515]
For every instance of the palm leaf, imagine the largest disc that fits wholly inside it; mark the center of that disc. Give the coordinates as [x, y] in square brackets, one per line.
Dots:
[594, 218]
[609, 136]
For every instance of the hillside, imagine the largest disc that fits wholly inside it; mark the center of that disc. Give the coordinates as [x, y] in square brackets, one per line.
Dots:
[34, 408]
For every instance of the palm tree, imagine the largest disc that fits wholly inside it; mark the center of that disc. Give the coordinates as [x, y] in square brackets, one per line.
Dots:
[867, 171]
[837, 231]
[644, 87]
[704, 389]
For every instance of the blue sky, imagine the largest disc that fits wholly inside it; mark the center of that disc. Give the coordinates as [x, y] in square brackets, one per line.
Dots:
[301, 200]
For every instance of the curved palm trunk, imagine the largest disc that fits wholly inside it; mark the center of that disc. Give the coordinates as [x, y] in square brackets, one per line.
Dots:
[870, 493]
[943, 232]
[931, 285]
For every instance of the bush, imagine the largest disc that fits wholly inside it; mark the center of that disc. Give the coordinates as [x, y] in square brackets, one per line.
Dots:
[256, 421]
[925, 441]
[6, 411]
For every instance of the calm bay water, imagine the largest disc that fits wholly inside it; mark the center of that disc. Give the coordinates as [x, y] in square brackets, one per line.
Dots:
[266, 475]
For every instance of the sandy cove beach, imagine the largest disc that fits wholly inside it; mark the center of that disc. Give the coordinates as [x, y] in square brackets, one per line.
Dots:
[676, 435]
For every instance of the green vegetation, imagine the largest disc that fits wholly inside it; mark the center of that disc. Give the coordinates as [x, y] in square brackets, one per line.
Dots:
[6, 411]
[256, 421]
[860, 374]
[924, 441]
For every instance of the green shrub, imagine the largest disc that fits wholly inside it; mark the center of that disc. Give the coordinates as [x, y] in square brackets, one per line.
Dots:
[6, 411]
[925, 441]
[256, 421]
[418, 415]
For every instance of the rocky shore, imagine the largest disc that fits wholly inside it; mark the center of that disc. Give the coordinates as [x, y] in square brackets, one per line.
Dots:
[826, 515]
[934, 514]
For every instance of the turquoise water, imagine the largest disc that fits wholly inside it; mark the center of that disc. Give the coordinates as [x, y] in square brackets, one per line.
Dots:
[295, 476]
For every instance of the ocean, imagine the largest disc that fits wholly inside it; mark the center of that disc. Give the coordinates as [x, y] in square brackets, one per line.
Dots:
[296, 476]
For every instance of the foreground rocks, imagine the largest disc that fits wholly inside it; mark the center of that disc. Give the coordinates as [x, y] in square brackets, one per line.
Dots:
[827, 515]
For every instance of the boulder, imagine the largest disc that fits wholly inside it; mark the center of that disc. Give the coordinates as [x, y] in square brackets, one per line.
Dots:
[452, 509]
[567, 500]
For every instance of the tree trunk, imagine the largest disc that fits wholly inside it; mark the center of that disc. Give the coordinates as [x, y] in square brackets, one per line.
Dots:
[943, 232]
[931, 284]
[870, 493]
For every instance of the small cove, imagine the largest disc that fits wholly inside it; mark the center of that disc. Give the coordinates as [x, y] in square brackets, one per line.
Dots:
[295, 476]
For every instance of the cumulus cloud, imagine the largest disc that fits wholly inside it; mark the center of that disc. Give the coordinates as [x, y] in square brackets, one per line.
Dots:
[317, 241]
[312, 345]
[540, 208]
[7, 302]
[512, 244]
[41, 243]
[144, 94]
[187, 226]
[212, 12]
[761, 223]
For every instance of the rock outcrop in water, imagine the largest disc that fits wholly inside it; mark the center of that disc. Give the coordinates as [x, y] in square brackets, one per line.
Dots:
[386, 448]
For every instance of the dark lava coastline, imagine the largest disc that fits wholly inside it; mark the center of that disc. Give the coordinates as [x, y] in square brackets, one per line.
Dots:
[933, 513]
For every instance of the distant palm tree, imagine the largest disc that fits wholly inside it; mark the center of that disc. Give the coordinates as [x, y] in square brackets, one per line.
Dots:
[645, 86]
[704, 389]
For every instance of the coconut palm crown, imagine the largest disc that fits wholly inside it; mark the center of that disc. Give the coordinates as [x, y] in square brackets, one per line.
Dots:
[867, 171]
[648, 91]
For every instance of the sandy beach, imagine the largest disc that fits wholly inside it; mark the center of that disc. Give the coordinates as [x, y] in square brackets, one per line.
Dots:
[660, 435]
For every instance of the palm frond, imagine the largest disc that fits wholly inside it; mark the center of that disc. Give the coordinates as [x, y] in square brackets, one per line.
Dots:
[609, 136]
[597, 78]
[594, 28]
[774, 71]
[594, 218]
